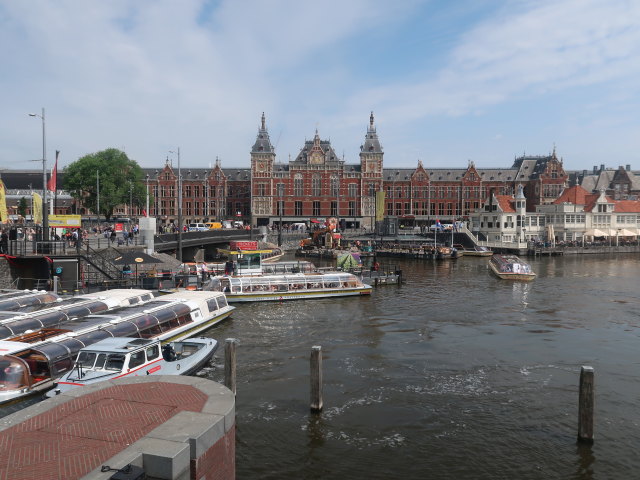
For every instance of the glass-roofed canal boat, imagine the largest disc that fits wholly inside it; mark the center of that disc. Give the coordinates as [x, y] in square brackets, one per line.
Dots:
[30, 363]
[298, 286]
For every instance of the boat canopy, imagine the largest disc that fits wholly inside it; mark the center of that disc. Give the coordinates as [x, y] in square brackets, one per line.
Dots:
[28, 302]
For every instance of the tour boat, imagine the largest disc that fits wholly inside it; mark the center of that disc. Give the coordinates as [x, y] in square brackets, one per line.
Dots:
[510, 267]
[262, 288]
[17, 323]
[31, 362]
[124, 357]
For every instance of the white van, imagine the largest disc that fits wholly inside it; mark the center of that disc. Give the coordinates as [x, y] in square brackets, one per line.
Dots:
[197, 227]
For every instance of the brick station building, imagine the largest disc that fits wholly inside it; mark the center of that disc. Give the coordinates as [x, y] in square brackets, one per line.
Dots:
[317, 184]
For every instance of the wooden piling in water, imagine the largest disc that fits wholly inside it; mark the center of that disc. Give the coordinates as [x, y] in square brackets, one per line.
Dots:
[316, 378]
[230, 364]
[585, 405]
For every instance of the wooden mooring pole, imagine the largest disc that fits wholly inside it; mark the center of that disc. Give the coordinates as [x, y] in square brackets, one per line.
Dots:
[230, 364]
[585, 405]
[316, 378]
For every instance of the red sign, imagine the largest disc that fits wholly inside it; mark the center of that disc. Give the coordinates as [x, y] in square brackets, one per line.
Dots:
[154, 369]
[118, 227]
[243, 245]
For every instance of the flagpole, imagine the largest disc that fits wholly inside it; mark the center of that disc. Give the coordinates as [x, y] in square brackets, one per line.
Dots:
[55, 183]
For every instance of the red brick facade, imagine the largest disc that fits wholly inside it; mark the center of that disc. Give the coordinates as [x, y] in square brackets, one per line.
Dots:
[319, 184]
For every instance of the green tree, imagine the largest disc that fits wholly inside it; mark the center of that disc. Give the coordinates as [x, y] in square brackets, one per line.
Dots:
[120, 181]
[22, 207]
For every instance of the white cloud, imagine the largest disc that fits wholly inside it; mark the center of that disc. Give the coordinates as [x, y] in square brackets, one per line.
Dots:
[152, 75]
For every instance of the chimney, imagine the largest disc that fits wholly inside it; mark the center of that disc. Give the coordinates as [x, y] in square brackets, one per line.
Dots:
[602, 167]
[628, 168]
[595, 169]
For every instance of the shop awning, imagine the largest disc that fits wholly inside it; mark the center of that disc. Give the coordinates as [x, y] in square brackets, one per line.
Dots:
[628, 232]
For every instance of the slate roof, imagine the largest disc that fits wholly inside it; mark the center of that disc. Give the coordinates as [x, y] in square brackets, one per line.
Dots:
[263, 142]
[371, 141]
[330, 155]
[195, 174]
[21, 179]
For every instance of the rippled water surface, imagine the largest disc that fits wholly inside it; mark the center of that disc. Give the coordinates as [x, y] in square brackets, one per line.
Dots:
[455, 374]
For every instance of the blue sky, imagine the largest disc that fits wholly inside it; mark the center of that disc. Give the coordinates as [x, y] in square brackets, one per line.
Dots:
[448, 81]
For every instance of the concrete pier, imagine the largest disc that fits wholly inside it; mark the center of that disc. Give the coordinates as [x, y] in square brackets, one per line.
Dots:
[172, 427]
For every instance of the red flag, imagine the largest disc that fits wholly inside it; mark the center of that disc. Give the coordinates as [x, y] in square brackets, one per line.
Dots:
[52, 183]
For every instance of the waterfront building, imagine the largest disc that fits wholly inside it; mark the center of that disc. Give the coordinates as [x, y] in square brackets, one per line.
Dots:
[577, 215]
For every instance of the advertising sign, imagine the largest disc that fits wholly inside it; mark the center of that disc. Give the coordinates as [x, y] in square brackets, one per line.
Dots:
[380, 200]
[118, 227]
[64, 221]
[243, 245]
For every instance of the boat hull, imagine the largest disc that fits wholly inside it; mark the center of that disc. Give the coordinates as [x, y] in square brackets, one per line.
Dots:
[295, 295]
[475, 253]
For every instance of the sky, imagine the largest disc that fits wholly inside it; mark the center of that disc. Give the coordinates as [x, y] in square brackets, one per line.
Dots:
[448, 81]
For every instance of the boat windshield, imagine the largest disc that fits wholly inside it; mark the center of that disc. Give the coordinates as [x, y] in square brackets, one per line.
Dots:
[115, 361]
[87, 359]
[13, 373]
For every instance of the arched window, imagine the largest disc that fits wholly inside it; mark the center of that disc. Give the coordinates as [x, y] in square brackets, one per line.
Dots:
[316, 186]
[298, 189]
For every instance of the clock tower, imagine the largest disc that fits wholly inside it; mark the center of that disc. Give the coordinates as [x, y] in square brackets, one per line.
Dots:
[263, 156]
[371, 163]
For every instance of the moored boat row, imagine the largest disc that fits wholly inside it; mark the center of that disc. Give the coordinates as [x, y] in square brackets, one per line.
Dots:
[30, 363]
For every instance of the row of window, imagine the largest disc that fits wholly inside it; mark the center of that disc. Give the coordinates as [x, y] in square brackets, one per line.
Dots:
[563, 219]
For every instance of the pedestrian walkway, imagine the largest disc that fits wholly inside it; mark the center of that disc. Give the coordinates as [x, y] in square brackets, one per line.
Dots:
[67, 438]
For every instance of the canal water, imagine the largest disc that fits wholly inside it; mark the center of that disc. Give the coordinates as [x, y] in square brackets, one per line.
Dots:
[455, 374]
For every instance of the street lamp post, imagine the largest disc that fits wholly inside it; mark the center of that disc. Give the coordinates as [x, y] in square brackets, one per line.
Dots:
[280, 205]
[98, 195]
[45, 218]
[179, 252]
[147, 202]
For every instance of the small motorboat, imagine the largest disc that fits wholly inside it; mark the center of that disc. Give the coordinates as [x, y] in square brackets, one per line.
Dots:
[122, 357]
[478, 251]
[510, 267]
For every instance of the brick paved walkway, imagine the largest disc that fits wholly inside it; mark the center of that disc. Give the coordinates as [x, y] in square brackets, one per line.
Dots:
[70, 440]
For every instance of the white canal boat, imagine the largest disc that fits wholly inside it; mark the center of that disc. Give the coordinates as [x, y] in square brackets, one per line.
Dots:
[264, 288]
[64, 310]
[124, 357]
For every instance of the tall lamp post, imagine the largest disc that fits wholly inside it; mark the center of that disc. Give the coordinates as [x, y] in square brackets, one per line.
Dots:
[280, 206]
[45, 217]
[98, 194]
[179, 252]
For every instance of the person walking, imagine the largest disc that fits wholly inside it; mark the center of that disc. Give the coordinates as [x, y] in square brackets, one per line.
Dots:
[4, 242]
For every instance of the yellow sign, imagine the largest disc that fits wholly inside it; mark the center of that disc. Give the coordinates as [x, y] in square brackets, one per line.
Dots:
[37, 208]
[3, 203]
[64, 221]
[380, 197]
